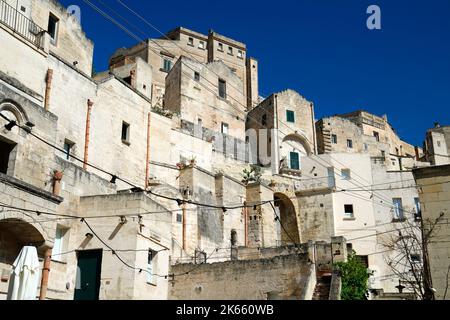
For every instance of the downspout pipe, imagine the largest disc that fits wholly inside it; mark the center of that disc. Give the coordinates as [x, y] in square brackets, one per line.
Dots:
[87, 135]
[147, 164]
[45, 274]
[48, 88]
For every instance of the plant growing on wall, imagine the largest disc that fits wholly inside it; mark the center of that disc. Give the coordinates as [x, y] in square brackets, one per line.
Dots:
[354, 277]
[252, 175]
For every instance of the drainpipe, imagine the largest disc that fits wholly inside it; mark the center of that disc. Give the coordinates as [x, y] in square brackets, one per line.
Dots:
[86, 140]
[147, 165]
[57, 177]
[48, 88]
[45, 273]
[314, 128]
[184, 225]
[246, 225]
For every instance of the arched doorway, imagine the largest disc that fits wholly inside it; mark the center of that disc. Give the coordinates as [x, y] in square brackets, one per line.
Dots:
[15, 234]
[288, 219]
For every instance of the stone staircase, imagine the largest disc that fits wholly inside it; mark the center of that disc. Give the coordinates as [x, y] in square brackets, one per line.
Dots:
[322, 289]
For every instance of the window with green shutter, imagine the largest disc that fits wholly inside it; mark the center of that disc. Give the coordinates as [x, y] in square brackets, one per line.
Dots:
[295, 163]
[290, 116]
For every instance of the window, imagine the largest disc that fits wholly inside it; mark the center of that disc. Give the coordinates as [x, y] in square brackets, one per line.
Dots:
[6, 150]
[383, 153]
[59, 244]
[220, 48]
[349, 143]
[167, 65]
[348, 210]
[345, 173]
[179, 217]
[201, 45]
[366, 147]
[191, 41]
[151, 267]
[68, 148]
[125, 133]
[230, 50]
[396, 151]
[200, 122]
[240, 54]
[334, 138]
[398, 208]
[222, 89]
[196, 76]
[224, 128]
[294, 161]
[376, 135]
[264, 119]
[290, 116]
[415, 258]
[52, 29]
[23, 9]
[438, 143]
[418, 214]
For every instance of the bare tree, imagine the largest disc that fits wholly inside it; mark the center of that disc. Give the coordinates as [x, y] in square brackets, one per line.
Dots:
[408, 256]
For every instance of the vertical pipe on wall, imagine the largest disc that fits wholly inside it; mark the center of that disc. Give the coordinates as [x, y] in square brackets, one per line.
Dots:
[48, 88]
[45, 274]
[147, 164]
[87, 135]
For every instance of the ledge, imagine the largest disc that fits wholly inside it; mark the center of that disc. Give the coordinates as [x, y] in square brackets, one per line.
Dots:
[16, 183]
[349, 219]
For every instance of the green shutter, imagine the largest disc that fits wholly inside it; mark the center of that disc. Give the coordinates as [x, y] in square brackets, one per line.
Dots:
[295, 163]
[290, 116]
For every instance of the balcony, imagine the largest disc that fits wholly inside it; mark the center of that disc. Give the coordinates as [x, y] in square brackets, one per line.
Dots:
[20, 24]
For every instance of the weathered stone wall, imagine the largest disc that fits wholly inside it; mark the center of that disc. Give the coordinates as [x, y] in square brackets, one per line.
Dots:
[283, 276]
[435, 200]
[71, 43]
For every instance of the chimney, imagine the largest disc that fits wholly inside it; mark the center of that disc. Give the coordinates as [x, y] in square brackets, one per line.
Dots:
[57, 177]
[133, 78]
[87, 134]
[437, 125]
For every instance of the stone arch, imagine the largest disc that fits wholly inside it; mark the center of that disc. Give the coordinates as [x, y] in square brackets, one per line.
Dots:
[300, 139]
[16, 233]
[14, 109]
[289, 231]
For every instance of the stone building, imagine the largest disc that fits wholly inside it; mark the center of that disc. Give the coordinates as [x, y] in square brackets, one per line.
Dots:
[437, 145]
[434, 182]
[130, 177]
[163, 53]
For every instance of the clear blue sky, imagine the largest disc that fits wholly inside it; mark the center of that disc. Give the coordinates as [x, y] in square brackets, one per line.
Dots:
[320, 48]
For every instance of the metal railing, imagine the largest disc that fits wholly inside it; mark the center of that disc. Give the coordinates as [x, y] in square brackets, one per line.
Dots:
[20, 24]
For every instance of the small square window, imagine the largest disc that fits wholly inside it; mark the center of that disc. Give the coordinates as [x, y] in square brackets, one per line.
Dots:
[23, 9]
[348, 210]
[196, 76]
[179, 217]
[240, 54]
[415, 258]
[125, 133]
[377, 136]
[167, 65]
[201, 45]
[68, 148]
[191, 41]
[349, 143]
[290, 116]
[224, 128]
[230, 50]
[334, 139]
[346, 174]
[383, 153]
[220, 47]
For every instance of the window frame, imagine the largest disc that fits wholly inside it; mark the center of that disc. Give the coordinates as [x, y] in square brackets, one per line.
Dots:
[197, 76]
[56, 20]
[290, 116]
[68, 153]
[349, 213]
[60, 243]
[350, 143]
[151, 267]
[222, 87]
[127, 127]
[224, 125]
[294, 160]
[334, 139]
[190, 41]
[398, 211]
[169, 62]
